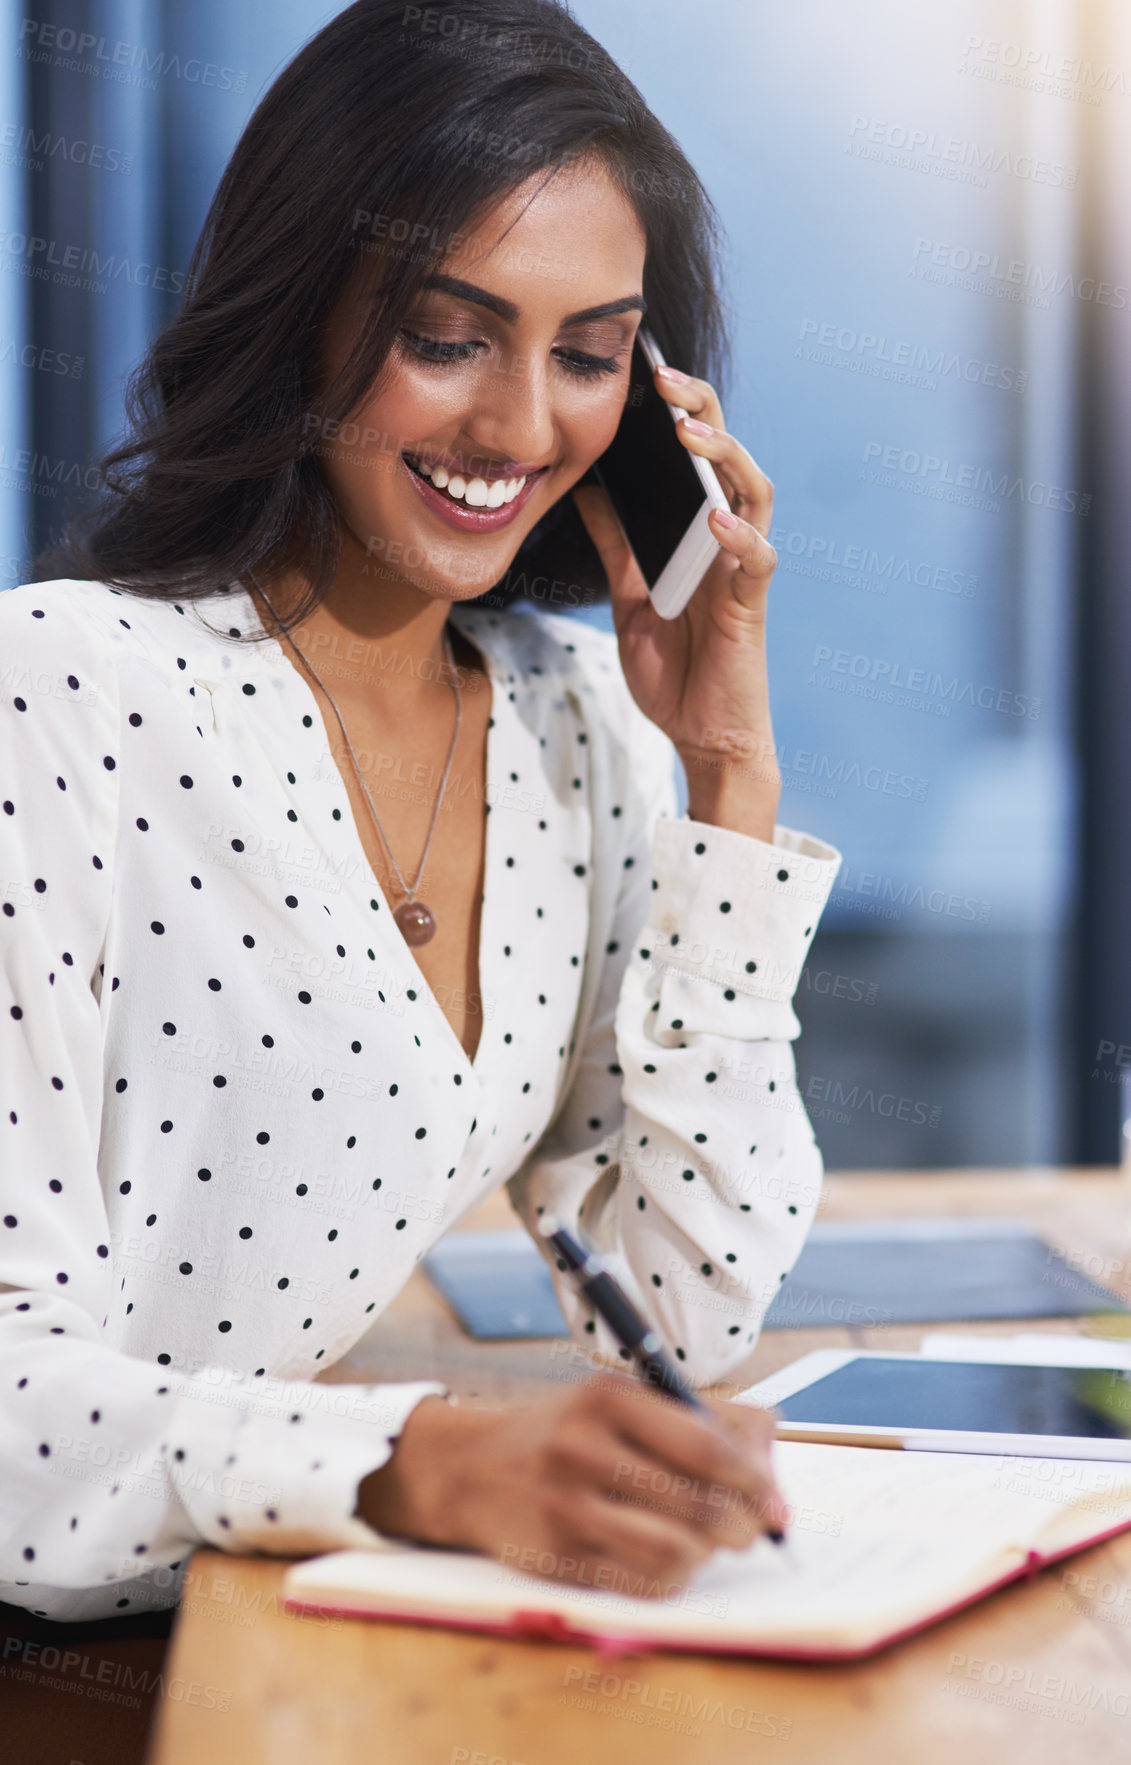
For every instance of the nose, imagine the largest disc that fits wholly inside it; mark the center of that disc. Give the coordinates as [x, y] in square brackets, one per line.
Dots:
[511, 416]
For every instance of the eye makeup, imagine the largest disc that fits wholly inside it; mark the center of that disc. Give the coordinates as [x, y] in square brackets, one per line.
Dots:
[439, 351]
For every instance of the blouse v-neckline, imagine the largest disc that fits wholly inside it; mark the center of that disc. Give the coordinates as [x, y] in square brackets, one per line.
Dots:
[269, 649]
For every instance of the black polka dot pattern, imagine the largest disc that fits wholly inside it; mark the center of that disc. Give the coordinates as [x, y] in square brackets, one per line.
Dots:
[265, 1058]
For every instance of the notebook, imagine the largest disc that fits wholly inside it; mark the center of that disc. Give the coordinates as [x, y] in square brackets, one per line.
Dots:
[848, 1273]
[881, 1544]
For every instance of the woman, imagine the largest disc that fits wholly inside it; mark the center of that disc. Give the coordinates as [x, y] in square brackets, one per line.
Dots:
[276, 1017]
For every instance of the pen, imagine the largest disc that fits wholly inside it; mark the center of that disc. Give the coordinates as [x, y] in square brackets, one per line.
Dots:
[588, 1273]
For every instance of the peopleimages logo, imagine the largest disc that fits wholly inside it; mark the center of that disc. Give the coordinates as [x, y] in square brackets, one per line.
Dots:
[863, 566]
[46, 361]
[939, 474]
[47, 260]
[1041, 70]
[885, 678]
[23, 147]
[949, 155]
[130, 64]
[44, 476]
[880, 357]
[1016, 274]
[885, 897]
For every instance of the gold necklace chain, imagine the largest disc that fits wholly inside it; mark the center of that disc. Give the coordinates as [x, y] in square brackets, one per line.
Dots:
[415, 920]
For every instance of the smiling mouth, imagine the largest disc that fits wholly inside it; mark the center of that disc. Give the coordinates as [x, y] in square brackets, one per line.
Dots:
[466, 490]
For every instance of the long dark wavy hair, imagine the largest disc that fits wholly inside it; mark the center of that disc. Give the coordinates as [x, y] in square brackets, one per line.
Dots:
[376, 130]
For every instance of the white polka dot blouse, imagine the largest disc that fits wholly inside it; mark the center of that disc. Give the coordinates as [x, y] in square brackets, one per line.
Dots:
[233, 1116]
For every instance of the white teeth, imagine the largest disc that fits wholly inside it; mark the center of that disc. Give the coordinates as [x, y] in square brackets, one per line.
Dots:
[477, 493]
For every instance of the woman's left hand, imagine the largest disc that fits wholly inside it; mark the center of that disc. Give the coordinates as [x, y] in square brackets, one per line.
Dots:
[701, 677]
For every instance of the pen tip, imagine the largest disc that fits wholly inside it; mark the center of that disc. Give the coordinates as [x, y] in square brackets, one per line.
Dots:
[775, 1534]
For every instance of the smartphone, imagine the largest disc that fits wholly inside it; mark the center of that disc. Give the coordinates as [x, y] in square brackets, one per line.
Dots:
[660, 491]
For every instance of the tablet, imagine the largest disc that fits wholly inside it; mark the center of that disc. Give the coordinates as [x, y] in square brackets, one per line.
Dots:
[498, 1285]
[867, 1398]
[876, 1273]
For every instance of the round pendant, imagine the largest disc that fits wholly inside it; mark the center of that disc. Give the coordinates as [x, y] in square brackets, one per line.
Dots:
[417, 922]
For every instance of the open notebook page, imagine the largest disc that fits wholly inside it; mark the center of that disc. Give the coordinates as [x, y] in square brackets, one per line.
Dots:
[879, 1540]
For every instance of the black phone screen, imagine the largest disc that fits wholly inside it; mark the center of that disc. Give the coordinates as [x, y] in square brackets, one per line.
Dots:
[648, 475]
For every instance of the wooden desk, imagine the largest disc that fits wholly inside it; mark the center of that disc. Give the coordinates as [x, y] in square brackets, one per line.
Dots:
[1040, 1671]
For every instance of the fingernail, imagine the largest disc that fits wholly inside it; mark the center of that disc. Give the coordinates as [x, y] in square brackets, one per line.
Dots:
[696, 427]
[725, 518]
[674, 374]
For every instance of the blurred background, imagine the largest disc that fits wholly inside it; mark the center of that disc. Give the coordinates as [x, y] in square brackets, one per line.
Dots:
[929, 271]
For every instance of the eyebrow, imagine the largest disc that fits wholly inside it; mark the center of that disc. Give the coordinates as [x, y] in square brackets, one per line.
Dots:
[506, 309]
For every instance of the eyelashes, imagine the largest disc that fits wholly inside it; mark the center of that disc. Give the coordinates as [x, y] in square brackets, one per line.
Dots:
[575, 361]
[431, 349]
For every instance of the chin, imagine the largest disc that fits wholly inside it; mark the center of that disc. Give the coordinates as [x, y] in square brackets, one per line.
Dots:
[411, 566]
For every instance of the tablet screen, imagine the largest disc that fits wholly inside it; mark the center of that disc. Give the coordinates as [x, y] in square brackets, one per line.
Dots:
[971, 1396]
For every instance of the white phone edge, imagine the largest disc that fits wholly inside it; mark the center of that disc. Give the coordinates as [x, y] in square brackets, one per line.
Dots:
[820, 1362]
[685, 568]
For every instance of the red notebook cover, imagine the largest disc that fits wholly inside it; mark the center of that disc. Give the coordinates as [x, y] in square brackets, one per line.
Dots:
[551, 1626]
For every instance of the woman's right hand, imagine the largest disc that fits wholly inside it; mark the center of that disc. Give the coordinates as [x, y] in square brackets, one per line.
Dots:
[608, 1483]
